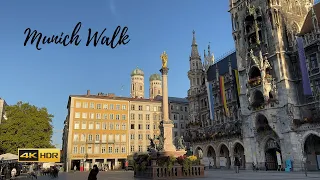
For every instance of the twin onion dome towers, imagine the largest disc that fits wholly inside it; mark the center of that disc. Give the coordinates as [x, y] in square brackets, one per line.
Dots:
[137, 84]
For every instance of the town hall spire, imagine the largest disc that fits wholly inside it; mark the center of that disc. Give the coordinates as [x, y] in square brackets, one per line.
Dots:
[194, 47]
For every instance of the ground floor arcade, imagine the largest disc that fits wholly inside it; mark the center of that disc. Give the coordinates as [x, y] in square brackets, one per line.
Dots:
[87, 164]
[221, 154]
[266, 147]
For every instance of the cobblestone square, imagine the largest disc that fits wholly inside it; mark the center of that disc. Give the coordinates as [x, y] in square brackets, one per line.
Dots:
[212, 174]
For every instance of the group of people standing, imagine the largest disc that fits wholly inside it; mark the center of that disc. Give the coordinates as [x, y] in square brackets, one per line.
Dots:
[9, 171]
[53, 172]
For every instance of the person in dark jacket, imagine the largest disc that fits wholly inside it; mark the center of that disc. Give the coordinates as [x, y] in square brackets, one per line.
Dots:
[7, 173]
[236, 164]
[93, 173]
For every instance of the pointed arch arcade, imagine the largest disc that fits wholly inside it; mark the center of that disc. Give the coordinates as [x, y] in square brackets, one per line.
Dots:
[211, 154]
[238, 153]
[311, 149]
[224, 154]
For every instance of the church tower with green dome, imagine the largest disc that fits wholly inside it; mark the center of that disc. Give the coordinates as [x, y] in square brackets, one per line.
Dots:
[155, 87]
[137, 83]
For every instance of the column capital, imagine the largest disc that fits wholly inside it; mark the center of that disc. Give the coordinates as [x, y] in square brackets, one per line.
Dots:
[164, 71]
[167, 121]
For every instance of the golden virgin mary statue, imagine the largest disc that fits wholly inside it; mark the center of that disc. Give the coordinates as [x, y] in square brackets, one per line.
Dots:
[164, 58]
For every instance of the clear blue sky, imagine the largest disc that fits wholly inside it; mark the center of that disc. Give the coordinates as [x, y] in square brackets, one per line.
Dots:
[46, 78]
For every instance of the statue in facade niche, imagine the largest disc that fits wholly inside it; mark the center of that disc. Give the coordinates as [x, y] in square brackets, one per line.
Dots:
[266, 63]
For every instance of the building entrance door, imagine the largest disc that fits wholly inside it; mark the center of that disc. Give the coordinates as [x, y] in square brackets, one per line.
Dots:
[272, 155]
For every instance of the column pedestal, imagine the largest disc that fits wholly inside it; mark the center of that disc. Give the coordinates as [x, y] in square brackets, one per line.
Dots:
[167, 131]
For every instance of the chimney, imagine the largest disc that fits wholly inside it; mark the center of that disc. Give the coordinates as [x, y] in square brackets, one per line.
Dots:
[88, 92]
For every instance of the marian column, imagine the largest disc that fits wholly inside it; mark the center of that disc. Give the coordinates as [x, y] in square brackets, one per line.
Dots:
[167, 123]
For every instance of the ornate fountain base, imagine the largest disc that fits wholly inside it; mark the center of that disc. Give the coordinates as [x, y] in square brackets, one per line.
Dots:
[154, 171]
[177, 153]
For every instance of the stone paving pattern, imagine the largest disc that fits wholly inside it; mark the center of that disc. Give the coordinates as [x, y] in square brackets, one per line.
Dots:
[211, 174]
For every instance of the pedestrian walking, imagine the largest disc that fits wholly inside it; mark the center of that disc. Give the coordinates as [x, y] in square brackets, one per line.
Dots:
[32, 172]
[13, 173]
[75, 168]
[254, 167]
[236, 164]
[266, 165]
[126, 165]
[93, 173]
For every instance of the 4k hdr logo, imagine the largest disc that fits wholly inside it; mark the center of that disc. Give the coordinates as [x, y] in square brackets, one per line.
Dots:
[39, 155]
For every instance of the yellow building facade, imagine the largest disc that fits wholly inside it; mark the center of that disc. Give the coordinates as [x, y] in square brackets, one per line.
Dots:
[97, 131]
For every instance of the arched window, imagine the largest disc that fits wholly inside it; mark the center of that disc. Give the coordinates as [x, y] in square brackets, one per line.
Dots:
[258, 99]
[254, 72]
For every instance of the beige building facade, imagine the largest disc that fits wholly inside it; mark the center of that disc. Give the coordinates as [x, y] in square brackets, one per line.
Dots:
[179, 115]
[145, 117]
[96, 131]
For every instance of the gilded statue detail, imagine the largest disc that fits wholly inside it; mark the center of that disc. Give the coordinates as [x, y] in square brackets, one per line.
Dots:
[164, 58]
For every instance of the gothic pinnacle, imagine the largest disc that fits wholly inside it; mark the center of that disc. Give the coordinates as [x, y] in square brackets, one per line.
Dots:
[194, 42]
[194, 49]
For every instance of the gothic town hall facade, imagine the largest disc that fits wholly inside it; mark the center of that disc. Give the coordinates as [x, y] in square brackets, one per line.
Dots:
[260, 104]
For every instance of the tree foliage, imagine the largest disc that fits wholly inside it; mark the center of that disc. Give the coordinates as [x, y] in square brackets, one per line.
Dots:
[27, 126]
